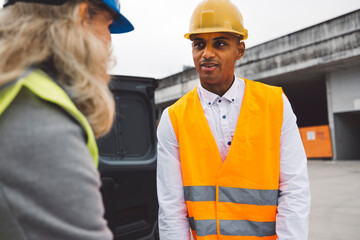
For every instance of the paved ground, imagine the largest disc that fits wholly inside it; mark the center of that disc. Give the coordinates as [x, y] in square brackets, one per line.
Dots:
[335, 203]
[335, 190]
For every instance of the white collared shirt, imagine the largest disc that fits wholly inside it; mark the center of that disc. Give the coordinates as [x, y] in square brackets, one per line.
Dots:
[222, 114]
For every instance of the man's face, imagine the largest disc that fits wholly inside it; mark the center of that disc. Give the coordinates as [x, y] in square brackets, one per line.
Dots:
[215, 55]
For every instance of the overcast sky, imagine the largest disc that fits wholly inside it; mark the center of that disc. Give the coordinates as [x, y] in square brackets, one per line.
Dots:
[157, 48]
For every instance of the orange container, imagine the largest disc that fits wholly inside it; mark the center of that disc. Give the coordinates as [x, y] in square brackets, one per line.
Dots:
[317, 141]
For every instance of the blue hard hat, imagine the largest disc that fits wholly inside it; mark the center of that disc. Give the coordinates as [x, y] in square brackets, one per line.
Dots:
[119, 25]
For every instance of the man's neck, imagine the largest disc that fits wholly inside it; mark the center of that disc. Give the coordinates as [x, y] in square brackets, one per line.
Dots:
[219, 90]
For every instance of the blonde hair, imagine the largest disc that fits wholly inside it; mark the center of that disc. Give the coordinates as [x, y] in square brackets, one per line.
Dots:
[35, 35]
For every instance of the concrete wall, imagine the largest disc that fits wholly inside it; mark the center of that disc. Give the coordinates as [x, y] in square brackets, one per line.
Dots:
[343, 95]
[171, 92]
[312, 49]
[345, 90]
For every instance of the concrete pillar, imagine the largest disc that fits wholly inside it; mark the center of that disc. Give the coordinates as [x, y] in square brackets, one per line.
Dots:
[331, 115]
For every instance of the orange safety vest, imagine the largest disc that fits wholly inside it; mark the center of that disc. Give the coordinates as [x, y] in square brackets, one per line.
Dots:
[236, 199]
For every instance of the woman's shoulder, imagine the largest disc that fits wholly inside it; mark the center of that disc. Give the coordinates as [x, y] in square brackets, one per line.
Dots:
[32, 124]
[29, 114]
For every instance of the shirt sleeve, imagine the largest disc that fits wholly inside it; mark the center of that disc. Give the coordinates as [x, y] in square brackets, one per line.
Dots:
[173, 221]
[294, 196]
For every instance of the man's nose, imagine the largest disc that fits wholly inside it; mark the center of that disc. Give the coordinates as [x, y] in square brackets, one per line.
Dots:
[208, 52]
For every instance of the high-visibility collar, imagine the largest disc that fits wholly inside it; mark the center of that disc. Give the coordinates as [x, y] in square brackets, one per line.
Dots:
[236, 199]
[45, 88]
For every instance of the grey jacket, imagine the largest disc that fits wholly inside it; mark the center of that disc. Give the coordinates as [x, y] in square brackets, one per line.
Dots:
[49, 186]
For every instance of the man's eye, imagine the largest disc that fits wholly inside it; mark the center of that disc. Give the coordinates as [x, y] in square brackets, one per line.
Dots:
[220, 44]
[199, 45]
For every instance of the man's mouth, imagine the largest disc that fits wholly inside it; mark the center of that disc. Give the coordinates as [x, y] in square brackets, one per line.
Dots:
[208, 66]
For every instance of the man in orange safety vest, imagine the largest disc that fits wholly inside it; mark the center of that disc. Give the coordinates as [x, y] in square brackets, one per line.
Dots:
[231, 164]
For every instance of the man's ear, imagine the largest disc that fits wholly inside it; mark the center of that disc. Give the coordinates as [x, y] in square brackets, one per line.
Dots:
[241, 50]
[83, 12]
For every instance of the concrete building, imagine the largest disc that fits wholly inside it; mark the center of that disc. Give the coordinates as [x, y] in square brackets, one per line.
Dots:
[319, 70]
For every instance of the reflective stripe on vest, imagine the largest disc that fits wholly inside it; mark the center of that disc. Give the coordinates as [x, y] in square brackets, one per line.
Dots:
[233, 228]
[236, 199]
[235, 195]
[45, 88]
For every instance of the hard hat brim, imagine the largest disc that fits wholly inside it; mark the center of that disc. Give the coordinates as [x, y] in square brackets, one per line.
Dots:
[121, 25]
[215, 30]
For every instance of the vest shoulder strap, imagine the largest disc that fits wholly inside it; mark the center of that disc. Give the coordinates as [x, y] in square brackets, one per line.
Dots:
[45, 88]
[176, 110]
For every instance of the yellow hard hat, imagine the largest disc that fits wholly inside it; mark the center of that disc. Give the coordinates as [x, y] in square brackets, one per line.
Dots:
[217, 16]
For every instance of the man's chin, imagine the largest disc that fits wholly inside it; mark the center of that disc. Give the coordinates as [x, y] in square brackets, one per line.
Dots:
[208, 77]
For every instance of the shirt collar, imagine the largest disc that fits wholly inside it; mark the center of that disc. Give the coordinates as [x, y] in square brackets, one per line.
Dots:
[231, 94]
[209, 98]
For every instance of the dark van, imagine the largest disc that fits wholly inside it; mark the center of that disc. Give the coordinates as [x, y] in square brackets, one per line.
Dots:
[127, 161]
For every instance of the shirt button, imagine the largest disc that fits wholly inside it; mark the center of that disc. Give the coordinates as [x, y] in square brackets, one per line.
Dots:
[209, 103]
[229, 143]
[224, 117]
[232, 99]
[219, 101]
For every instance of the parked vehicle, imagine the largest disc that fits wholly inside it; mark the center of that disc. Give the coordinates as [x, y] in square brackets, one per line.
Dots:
[127, 161]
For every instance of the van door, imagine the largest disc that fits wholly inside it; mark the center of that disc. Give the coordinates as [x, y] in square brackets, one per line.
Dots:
[127, 161]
